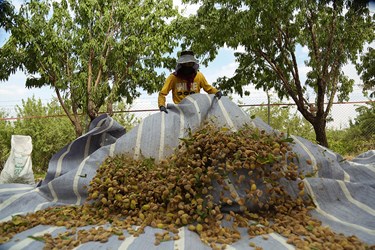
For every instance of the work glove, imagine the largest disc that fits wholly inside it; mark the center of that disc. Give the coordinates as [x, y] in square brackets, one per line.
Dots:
[218, 94]
[162, 108]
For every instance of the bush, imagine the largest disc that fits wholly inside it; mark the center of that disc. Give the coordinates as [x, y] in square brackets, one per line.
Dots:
[48, 134]
[6, 131]
[49, 128]
[358, 138]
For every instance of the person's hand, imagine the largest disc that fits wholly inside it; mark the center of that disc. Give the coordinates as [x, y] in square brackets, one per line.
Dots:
[162, 108]
[218, 95]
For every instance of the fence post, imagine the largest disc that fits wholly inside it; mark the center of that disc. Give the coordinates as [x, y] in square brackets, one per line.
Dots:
[268, 109]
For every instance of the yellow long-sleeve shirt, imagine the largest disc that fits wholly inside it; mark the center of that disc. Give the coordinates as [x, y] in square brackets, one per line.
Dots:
[180, 90]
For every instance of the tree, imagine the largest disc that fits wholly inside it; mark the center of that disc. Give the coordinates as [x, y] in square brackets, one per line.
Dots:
[360, 136]
[282, 119]
[5, 137]
[366, 69]
[365, 121]
[124, 117]
[91, 53]
[6, 12]
[48, 127]
[270, 32]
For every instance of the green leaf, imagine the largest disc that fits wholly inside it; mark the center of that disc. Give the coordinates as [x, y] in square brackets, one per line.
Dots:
[288, 139]
[18, 220]
[273, 34]
[125, 44]
[310, 227]
[36, 238]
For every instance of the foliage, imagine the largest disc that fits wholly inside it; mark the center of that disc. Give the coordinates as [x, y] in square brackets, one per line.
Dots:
[284, 120]
[48, 134]
[122, 115]
[339, 143]
[365, 121]
[51, 134]
[5, 137]
[349, 142]
[91, 53]
[366, 70]
[270, 32]
[49, 129]
[361, 133]
[6, 12]
[127, 120]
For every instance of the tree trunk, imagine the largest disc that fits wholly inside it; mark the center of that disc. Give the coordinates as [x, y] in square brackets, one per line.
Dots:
[110, 108]
[74, 118]
[76, 121]
[78, 128]
[320, 132]
[91, 109]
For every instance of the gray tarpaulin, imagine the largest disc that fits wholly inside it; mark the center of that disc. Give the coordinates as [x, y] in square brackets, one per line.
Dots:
[343, 191]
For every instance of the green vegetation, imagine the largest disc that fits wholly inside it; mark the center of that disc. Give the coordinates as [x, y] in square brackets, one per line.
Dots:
[359, 137]
[49, 134]
[6, 12]
[270, 35]
[100, 53]
[91, 53]
[366, 69]
[361, 134]
[191, 188]
[282, 119]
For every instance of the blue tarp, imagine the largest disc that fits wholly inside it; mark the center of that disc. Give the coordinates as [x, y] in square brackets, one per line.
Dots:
[343, 191]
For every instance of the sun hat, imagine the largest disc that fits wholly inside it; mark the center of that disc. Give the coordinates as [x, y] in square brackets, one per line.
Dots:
[186, 57]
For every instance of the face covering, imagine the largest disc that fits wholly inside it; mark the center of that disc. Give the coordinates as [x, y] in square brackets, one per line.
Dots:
[185, 71]
[188, 74]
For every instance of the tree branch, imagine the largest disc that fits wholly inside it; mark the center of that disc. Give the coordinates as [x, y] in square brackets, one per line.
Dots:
[327, 55]
[106, 50]
[279, 72]
[293, 66]
[313, 37]
[62, 103]
[89, 71]
[335, 72]
[300, 101]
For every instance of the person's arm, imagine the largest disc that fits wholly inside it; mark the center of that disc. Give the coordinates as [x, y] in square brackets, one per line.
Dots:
[204, 84]
[165, 91]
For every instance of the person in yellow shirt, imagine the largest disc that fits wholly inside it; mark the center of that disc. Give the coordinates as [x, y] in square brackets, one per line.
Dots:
[184, 81]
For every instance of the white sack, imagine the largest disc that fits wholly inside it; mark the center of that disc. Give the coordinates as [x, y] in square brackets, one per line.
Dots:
[18, 167]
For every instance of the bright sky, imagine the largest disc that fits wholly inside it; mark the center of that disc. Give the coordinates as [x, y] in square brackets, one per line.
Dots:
[13, 91]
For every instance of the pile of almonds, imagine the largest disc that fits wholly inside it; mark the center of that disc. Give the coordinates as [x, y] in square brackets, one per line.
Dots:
[216, 182]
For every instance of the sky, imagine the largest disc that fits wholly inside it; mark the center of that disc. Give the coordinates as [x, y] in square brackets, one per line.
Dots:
[13, 91]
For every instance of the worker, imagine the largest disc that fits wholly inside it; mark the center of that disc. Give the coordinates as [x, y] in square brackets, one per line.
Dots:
[184, 81]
